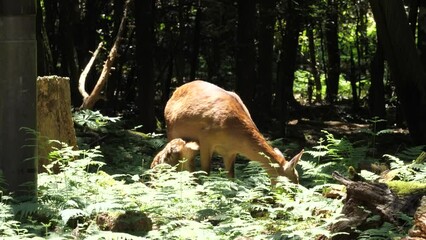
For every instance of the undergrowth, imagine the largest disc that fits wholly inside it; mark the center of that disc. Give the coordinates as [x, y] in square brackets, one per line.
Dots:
[183, 205]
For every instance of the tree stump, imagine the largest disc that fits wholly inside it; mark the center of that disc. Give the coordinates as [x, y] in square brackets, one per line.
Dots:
[54, 117]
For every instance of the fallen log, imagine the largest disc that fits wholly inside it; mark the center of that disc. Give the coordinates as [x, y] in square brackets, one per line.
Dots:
[366, 199]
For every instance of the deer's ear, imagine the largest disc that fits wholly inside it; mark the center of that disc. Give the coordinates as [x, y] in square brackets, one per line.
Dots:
[293, 162]
[193, 146]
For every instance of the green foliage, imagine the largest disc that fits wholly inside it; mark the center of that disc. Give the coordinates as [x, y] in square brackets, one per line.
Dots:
[92, 119]
[332, 155]
[385, 232]
[181, 205]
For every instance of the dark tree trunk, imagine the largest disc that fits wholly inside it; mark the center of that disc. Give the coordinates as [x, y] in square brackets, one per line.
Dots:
[421, 33]
[313, 65]
[404, 62]
[144, 60]
[195, 43]
[42, 64]
[88, 27]
[51, 14]
[412, 15]
[179, 55]
[353, 78]
[331, 33]
[376, 93]
[69, 62]
[114, 87]
[245, 52]
[214, 61]
[266, 41]
[288, 58]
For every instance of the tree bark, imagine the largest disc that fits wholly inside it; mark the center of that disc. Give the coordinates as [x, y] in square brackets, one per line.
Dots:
[54, 116]
[353, 78]
[376, 93]
[332, 39]
[144, 60]
[287, 65]
[195, 43]
[421, 33]
[69, 61]
[245, 52]
[313, 64]
[18, 68]
[44, 55]
[266, 42]
[404, 62]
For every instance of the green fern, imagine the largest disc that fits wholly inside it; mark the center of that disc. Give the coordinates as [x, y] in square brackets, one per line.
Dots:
[385, 232]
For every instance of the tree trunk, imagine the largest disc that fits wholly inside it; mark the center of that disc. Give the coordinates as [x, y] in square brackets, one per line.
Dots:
[313, 64]
[404, 62]
[195, 43]
[331, 33]
[18, 68]
[88, 26]
[288, 58]
[54, 116]
[353, 78]
[144, 60]
[69, 62]
[376, 93]
[412, 15]
[44, 62]
[245, 52]
[266, 42]
[421, 34]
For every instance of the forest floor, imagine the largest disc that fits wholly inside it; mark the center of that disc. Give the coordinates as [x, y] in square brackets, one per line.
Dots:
[309, 124]
[307, 128]
[180, 204]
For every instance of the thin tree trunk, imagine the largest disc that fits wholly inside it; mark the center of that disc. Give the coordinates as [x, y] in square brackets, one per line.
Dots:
[331, 32]
[421, 33]
[288, 60]
[353, 78]
[313, 64]
[245, 52]
[266, 41]
[69, 63]
[195, 43]
[412, 15]
[144, 59]
[376, 93]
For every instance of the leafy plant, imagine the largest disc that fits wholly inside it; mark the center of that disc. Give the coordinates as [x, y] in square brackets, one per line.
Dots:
[92, 119]
[332, 154]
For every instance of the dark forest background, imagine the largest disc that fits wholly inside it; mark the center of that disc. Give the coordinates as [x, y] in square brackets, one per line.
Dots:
[283, 57]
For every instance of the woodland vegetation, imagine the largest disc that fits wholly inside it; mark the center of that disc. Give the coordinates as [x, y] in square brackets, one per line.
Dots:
[345, 80]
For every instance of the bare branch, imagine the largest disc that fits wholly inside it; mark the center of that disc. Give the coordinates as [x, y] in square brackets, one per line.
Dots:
[83, 76]
[90, 101]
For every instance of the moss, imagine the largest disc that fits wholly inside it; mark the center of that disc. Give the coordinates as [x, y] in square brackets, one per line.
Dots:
[406, 188]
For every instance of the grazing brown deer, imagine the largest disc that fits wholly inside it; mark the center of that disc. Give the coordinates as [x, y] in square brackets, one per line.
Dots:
[220, 123]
